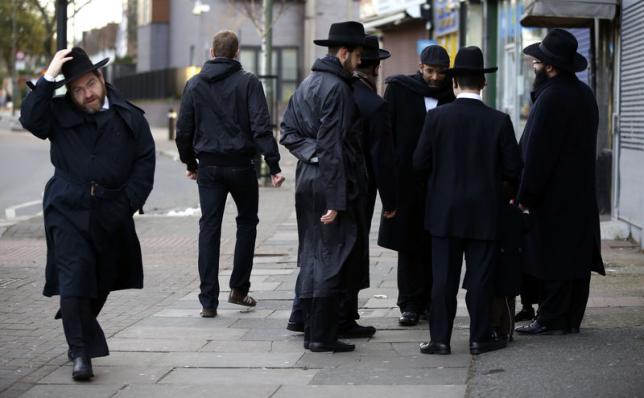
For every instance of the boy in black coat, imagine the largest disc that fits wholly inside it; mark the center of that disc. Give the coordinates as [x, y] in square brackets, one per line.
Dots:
[468, 149]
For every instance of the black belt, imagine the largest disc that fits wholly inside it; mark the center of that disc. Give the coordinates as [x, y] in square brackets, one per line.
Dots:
[95, 190]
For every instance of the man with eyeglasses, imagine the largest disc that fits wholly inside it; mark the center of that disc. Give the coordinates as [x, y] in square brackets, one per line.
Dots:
[103, 154]
[409, 98]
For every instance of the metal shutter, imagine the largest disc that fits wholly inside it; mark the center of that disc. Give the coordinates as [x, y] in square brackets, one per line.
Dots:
[631, 116]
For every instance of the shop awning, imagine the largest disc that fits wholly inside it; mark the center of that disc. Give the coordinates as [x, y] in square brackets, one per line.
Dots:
[384, 20]
[566, 13]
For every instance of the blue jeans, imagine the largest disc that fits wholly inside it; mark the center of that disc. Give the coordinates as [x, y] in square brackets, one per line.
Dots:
[215, 183]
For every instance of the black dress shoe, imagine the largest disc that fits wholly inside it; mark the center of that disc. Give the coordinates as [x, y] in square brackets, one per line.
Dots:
[357, 332]
[295, 326]
[526, 314]
[338, 346]
[208, 312]
[408, 318]
[535, 328]
[435, 348]
[82, 369]
[477, 348]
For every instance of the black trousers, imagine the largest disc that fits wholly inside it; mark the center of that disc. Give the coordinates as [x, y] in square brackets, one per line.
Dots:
[447, 259]
[347, 310]
[564, 303]
[320, 319]
[82, 330]
[415, 278]
[215, 183]
[530, 290]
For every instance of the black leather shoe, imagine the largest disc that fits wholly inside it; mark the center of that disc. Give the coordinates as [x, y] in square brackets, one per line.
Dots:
[477, 348]
[306, 344]
[408, 318]
[357, 332]
[435, 348]
[338, 346]
[295, 326]
[535, 328]
[82, 369]
[208, 312]
[526, 314]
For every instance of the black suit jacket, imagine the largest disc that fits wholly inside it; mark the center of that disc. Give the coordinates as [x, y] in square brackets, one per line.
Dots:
[468, 149]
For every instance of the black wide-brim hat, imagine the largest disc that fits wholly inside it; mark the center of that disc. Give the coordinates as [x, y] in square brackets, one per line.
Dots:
[79, 65]
[372, 51]
[558, 48]
[469, 61]
[348, 33]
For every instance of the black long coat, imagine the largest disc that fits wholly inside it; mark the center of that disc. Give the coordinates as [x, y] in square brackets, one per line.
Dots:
[558, 181]
[104, 172]
[378, 146]
[406, 98]
[469, 149]
[330, 175]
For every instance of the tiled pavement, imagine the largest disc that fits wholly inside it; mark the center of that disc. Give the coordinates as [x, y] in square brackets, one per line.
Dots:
[162, 348]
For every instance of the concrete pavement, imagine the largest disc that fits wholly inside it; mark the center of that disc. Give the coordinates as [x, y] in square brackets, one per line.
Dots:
[161, 347]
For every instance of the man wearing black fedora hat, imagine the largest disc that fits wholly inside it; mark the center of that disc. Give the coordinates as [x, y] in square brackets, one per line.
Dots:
[558, 185]
[104, 158]
[409, 98]
[468, 149]
[330, 179]
[374, 126]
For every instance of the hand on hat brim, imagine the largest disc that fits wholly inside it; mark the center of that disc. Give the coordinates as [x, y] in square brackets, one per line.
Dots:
[97, 65]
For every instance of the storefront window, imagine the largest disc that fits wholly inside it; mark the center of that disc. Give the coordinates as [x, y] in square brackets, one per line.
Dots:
[516, 75]
[284, 64]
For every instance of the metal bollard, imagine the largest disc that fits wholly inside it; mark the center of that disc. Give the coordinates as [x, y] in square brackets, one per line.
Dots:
[172, 122]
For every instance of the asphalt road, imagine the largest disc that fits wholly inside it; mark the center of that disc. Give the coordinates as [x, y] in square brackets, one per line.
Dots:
[25, 165]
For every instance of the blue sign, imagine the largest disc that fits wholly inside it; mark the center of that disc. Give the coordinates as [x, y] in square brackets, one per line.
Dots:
[421, 44]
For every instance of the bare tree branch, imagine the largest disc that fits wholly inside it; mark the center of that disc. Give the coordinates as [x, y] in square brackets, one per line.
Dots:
[249, 8]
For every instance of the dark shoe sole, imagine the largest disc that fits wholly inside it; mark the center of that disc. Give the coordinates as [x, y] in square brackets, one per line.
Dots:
[208, 314]
[479, 351]
[435, 352]
[547, 332]
[323, 348]
[82, 376]
[295, 327]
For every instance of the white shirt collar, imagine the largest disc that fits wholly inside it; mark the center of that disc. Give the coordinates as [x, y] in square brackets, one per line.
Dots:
[106, 104]
[470, 96]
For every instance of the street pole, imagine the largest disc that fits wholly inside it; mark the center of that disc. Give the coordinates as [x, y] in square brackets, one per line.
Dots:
[14, 72]
[61, 24]
[266, 67]
[267, 50]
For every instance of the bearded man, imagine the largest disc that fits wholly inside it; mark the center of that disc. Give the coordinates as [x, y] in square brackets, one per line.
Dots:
[330, 184]
[558, 185]
[409, 98]
[103, 154]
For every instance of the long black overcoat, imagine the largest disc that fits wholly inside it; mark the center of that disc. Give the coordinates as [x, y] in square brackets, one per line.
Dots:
[330, 175]
[104, 171]
[558, 182]
[378, 146]
[406, 98]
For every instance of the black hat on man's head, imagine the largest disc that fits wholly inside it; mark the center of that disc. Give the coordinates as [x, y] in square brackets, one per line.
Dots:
[373, 51]
[348, 33]
[434, 55]
[79, 65]
[469, 61]
[558, 48]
